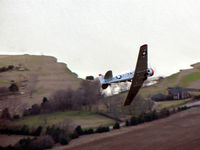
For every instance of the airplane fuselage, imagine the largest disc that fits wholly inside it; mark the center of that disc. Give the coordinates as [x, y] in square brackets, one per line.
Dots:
[121, 78]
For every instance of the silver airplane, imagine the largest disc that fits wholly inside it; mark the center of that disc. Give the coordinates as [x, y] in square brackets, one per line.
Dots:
[137, 77]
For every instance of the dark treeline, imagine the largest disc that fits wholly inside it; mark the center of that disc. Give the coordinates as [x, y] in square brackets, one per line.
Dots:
[70, 99]
[64, 100]
[4, 69]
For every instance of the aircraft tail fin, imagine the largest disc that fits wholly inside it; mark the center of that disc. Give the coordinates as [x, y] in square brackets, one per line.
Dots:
[108, 75]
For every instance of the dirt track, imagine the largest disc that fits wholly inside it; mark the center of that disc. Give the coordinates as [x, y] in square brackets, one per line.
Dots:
[177, 132]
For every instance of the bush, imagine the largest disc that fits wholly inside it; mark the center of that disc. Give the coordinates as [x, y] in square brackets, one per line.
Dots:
[102, 129]
[42, 142]
[37, 132]
[16, 116]
[116, 125]
[88, 131]
[25, 130]
[35, 109]
[127, 123]
[24, 143]
[164, 113]
[134, 121]
[79, 130]
[141, 118]
[73, 135]
[27, 112]
[13, 87]
[148, 117]
[10, 147]
[184, 108]
[44, 101]
[154, 115]
[5, 114]
[10, 67]
[64, 140]
[54, 132]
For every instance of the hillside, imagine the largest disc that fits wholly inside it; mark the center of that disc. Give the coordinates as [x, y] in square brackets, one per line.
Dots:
[36, 76]
[188, 78]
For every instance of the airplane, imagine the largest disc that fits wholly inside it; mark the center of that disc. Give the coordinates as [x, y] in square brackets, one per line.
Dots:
[142, 72]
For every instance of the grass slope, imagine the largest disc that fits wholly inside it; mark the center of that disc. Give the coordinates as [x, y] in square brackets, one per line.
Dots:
[85, 119]
[184, 78]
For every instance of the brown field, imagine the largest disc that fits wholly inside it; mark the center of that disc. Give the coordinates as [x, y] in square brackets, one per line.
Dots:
[180, 131]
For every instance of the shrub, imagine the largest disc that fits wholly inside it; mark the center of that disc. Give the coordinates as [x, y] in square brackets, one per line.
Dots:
[9, 147]
[134, 121]
[54, 132]
[16, 116]
[25, 130]
[13, 87]
[35, 109]
[154, 115]
[24, 143]
[88, 131]
[127, 123]
[42, 142]
[89, 78]
[10, 67]
[38, 131]
[63, 139]
[44, 101]
[79, 130]
[141, 118]
[148, 117]
[27, 112]
[116, 125]
[102, 129]
[184, 108]
[5, 114]
[179, 109]
[73, 135]
[164, 113]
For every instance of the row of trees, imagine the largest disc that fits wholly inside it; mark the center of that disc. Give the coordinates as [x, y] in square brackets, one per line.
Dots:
[154, 115]
[40, 143]
[20, 130]
[4, 69]
[62, 100]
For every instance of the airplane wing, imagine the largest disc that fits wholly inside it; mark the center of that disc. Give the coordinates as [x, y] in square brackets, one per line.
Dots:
[140, 75]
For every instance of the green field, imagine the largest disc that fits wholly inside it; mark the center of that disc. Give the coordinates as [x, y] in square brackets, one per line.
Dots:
[171, 104]
[188, 79]
[172, 77]
[85, 119]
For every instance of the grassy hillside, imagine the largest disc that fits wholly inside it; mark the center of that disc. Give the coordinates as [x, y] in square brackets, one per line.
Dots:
[189, 78]
[85, 119]
[36, 76]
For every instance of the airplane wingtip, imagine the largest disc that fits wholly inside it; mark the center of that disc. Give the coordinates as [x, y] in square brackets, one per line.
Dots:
[144, 45]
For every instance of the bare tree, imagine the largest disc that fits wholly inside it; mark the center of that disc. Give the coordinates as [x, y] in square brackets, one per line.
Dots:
[90, 93]
[84, 97]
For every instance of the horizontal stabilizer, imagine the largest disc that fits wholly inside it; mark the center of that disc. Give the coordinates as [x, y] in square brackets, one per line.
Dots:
[108, 75]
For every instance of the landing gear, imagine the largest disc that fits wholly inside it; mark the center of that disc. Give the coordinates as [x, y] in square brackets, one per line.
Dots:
[104, 86]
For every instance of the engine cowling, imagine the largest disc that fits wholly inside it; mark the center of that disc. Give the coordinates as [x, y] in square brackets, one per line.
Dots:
[104, 86]
[150, 72]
